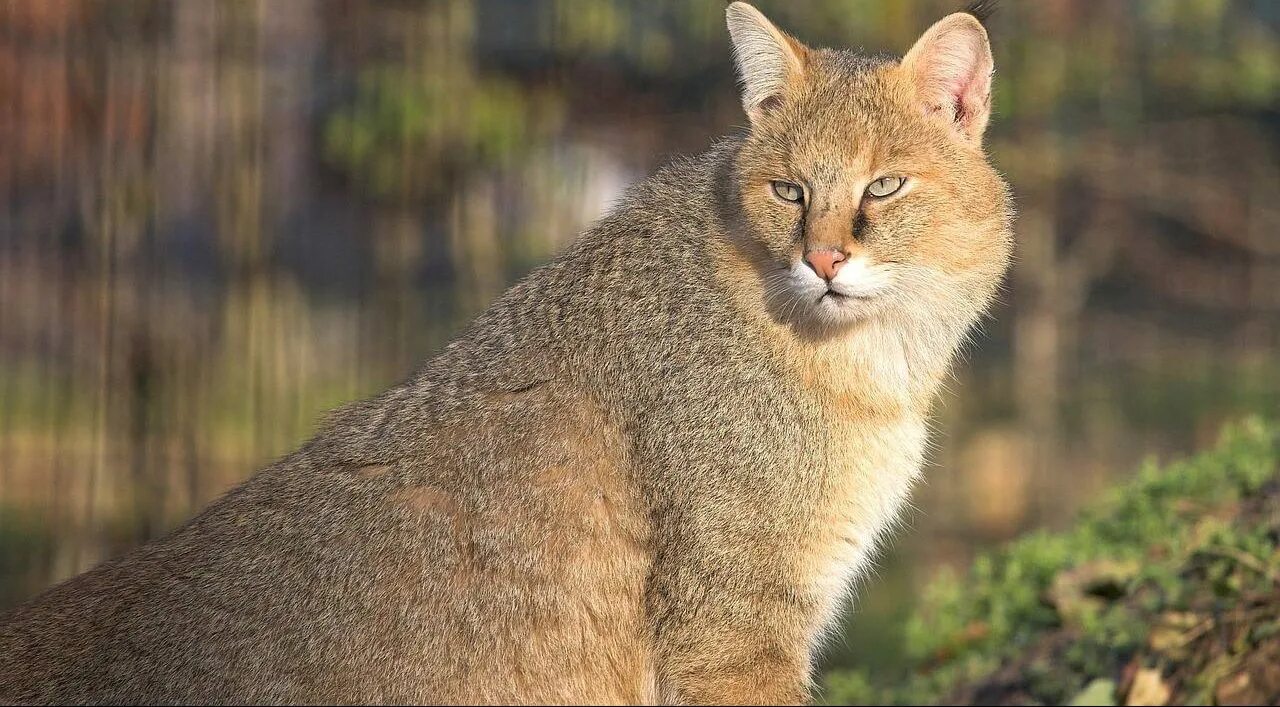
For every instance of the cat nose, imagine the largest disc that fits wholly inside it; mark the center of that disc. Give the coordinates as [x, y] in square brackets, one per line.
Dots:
[825, 262]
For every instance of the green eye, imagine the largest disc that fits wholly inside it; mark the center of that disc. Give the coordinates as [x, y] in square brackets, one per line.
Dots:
[788, 191]
[885, 186]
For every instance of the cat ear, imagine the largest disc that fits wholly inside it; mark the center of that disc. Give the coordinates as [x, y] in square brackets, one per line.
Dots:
[768, 60]
[950, 67]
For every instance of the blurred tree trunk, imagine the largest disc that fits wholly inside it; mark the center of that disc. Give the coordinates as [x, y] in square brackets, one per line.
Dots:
[476, 248]
[397, 250]
[1038, 345]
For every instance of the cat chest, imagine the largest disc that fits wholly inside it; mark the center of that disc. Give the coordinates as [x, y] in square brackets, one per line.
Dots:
[869, 473]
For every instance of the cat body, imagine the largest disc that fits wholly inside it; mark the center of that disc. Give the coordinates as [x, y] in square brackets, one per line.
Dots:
[648, 473]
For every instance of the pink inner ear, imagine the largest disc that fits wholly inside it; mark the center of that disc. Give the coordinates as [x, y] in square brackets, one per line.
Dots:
[970, 95]
[953, 73]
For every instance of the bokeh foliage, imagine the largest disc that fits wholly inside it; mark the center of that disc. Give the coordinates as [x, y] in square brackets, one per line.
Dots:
[222, 218]
[1147, 570]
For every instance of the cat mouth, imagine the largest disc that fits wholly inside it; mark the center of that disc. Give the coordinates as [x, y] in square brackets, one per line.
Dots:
[835, 296]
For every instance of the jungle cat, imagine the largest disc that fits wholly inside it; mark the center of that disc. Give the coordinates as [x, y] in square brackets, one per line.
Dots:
[647, 473]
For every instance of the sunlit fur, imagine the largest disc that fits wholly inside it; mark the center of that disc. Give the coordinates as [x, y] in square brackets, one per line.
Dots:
[649, 472]
[942, 240]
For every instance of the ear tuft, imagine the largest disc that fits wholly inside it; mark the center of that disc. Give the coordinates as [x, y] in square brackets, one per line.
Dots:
[950, 67]
[982, 10]
[767, 59]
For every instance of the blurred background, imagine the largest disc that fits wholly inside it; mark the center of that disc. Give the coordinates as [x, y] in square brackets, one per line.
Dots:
[219, 219]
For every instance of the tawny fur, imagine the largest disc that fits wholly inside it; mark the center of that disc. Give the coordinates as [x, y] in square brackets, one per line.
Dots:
[649, 472]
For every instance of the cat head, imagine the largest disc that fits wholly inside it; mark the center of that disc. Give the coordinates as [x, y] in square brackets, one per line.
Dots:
[863, 185]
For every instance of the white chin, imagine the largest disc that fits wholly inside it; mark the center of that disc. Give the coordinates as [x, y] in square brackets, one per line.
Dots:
[811, 302]
[838, 308]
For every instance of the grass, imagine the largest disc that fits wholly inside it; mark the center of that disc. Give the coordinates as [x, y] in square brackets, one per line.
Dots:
[1170, 583]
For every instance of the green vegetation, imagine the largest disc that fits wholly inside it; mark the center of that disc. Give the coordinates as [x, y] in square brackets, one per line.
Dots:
[25, 542]
[409, 133]
[1169, 586]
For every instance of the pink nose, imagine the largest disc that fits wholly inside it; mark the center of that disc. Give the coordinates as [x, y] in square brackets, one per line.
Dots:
[825, 262]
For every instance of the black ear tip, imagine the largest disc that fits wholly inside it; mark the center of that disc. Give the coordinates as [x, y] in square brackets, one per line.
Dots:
[982, 10]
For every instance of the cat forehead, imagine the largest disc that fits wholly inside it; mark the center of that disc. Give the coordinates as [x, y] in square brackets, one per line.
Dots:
[855, 111]
[846, 65]
[847, 90]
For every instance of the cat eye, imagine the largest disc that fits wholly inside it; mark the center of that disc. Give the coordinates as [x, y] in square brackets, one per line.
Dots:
[787, 191]
[885, 186]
